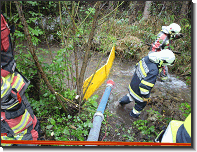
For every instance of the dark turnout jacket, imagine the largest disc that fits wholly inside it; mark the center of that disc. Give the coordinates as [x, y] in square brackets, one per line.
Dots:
[143, 79]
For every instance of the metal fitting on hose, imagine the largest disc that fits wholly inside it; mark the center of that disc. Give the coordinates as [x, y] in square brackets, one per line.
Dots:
[98, 113]
[110, 83]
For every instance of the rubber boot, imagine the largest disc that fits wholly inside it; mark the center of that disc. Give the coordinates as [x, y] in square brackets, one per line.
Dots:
[164, 74]
[164, 79]
[134, 113]
[124, 100]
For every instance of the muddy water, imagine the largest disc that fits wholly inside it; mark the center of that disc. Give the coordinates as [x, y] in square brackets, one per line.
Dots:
[121, 73]
[165, 96]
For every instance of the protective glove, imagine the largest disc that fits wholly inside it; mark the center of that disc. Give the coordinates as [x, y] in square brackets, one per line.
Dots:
[12, 29]
[178, 36]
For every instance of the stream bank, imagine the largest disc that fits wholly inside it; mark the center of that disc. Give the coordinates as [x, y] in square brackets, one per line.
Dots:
[166, 100]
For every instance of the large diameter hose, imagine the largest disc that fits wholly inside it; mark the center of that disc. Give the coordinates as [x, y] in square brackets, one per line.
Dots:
[98, 116]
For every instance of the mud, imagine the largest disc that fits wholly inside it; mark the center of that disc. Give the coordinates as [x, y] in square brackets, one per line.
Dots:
[166, 98]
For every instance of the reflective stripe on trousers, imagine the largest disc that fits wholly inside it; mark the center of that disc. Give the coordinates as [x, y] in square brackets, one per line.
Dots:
[19, 136]
[22, 123]
[134, 95]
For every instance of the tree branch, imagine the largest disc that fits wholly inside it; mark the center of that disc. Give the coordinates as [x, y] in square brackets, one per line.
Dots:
[85, 59]
[32, 51]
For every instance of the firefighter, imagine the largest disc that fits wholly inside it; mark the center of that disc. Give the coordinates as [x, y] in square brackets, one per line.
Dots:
[176, 132]
[144, 78]
[17, 119]
[163, 41]
[8, 63]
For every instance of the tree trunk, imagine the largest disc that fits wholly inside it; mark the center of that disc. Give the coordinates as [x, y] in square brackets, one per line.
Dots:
[34, 92]
[74, 28]
[146, 13]
[32, 51]
[132, 12]
[184, 9]
[88, 47]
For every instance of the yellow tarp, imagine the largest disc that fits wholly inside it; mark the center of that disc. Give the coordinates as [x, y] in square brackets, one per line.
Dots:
[99, 77]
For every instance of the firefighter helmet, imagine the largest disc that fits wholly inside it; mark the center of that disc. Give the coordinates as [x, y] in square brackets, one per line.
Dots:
[174, 28]
[163, 57]
[171, 29]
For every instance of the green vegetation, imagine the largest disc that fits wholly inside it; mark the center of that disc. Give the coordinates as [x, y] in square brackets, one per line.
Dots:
[150, 130]
[185, 109]
[151, 127]
[61, 127]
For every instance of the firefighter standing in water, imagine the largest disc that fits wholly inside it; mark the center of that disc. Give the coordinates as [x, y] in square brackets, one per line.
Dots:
[163, 41]
[17, 119]
[144, 78]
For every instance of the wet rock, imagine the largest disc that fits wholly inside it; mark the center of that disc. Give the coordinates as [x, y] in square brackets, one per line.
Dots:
[153, 90]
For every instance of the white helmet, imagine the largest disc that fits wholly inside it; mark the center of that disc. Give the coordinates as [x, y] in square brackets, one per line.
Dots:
[171, 29]
[163, 57]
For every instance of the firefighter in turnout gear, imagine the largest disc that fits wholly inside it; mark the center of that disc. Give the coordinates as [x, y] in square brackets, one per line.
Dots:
[163, 41]
[144, 78]
[7, 56]
[17, 119]
[176, 132]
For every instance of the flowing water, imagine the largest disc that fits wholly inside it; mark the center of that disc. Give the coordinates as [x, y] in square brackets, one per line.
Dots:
[166, 97]
[121, 73]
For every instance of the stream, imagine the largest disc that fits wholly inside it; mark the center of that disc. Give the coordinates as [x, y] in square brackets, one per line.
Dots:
[166, 97]
[121, 73]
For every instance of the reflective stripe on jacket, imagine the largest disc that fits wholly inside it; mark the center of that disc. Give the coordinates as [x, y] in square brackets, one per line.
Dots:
[19, 117]
[16, 137]
[25, 128]
[143, 79]
[20, 123]
[184, 132]
[9, 83]
[178, 131]
[16, 113]
[161, 42]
